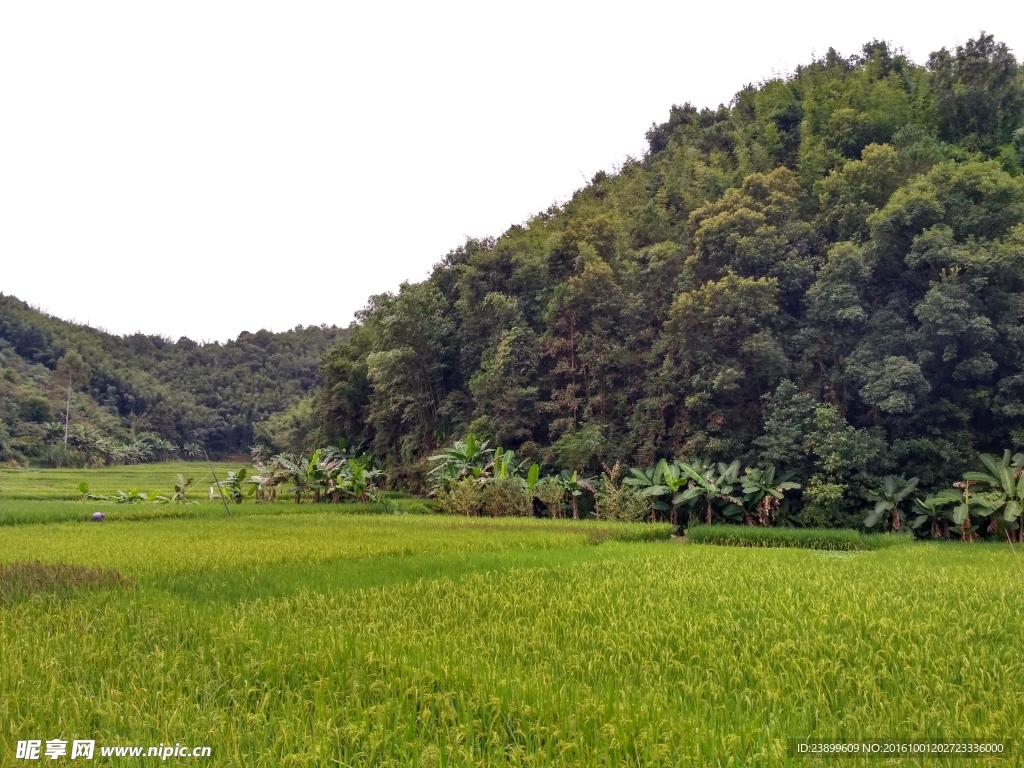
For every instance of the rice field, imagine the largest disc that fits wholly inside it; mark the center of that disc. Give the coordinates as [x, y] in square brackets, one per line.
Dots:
[63, 483]
[402, 640]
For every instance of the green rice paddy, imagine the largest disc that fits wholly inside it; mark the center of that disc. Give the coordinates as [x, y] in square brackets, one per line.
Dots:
[63, 483]
[395, 640]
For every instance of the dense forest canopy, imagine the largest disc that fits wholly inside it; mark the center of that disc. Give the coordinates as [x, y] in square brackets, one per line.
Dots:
[826, 275]
[138, 398]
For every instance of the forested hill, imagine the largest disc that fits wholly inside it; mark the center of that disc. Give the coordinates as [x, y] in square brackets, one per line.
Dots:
[827, 274]
[139, 398]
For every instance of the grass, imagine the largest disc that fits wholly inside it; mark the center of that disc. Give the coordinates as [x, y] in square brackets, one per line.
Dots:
[802, 538]
[24, 512]
[40, 495]
[327, 639]
[19, 581]
[62, 484]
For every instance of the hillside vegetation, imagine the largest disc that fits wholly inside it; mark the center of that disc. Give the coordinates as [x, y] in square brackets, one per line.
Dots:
[141, 398]
[827, 275]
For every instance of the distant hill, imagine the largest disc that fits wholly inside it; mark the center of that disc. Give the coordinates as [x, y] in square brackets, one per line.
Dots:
[142, 397]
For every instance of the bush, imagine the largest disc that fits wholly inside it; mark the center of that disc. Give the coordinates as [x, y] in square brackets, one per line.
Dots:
[465, 497]
[506, 497]
[805, 538]
[617, 501]
[551, 493]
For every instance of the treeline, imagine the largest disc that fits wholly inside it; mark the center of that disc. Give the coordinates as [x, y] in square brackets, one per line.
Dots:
[471, 478]
[145, 398]
[826, 276]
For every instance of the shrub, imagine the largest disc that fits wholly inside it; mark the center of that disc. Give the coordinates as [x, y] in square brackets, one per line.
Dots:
[617, 501]
[506, 497]
[805, 538]
[466, 497]
[551, 493]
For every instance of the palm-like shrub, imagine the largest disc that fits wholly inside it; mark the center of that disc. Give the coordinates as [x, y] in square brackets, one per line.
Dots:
[934, 510]
[710, 483]
[1004, 480]
[467, 458]
[763, 494]
[888, 501]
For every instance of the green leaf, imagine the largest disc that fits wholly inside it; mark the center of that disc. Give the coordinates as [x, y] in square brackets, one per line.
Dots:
[655, 490]
[991, 463]
[905, 490]
[1012, 510]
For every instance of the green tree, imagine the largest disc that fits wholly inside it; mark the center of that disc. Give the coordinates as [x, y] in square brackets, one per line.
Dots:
[73, 373]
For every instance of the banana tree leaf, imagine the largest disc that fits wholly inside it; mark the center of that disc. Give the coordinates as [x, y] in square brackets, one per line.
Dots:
[905, 490]
[990, 462]
[655, 490]
[1012, 510]
[733, 510]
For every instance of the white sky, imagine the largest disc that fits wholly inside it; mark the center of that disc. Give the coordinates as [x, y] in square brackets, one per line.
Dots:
[203, 168]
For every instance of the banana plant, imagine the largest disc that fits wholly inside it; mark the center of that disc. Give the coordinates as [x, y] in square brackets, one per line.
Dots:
[1005, 481]
[576, 486]
[235, 487]
[360, 477]
[967, 501]
[181, 486]
[295, 467]
[134, 496]
[269, 475]
[673, 487]
[888, 500]
[83, 489]
[467, 458]
[709, 483]
[677, 482]
[532, 478]
[504, 464]
[192, 450]
[651, 483]
[934, 511]
[764, 494]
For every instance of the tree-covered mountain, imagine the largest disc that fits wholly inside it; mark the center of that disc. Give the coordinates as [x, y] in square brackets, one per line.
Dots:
[143, 397]
[826, 275]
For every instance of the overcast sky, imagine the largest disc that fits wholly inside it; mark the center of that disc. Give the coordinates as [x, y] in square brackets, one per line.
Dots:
[203, 168]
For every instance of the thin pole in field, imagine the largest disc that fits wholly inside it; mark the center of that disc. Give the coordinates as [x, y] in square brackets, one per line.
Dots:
[217, 483]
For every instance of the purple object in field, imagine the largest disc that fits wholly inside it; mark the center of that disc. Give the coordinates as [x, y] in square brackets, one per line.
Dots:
[98, 517]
